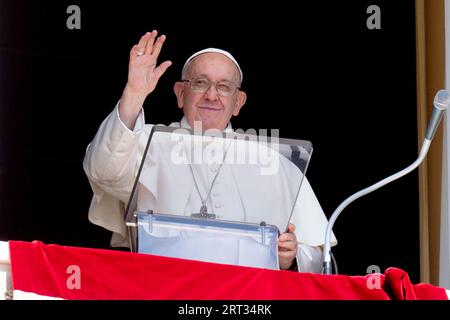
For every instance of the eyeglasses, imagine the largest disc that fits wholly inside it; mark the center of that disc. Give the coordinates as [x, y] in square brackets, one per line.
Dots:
[224, 88]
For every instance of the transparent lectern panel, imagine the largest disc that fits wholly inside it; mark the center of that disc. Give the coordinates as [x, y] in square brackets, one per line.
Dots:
[208, 240]
[231, 177]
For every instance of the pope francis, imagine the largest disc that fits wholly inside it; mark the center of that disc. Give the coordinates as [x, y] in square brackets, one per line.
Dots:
[209, 93]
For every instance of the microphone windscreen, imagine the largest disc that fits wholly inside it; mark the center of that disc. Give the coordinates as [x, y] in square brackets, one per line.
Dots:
[442, 100]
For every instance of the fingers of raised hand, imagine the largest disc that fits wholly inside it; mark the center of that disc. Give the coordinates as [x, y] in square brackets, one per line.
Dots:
[158, 45]
[159, 71]
[147, 51]
[150, 44]
[142, 44]
[134, 52]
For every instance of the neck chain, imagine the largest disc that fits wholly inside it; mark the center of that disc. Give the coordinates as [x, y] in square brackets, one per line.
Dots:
[204, 209]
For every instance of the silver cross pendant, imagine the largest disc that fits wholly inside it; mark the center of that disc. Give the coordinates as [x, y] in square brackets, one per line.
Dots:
[204, 213]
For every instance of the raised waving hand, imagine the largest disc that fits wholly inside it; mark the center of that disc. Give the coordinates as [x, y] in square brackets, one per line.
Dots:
[143, 75]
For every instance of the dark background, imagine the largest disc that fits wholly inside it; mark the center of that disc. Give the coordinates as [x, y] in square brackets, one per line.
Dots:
[311, 69]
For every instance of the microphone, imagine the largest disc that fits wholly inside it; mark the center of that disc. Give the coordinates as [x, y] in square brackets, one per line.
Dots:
[440, 105]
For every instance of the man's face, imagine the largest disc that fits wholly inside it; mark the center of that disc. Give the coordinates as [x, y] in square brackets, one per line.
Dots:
[211, 108]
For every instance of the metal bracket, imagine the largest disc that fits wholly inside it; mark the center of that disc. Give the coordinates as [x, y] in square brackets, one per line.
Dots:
[263, 232]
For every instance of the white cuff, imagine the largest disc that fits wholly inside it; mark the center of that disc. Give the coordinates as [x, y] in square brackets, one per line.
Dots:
[309, 259]
[140, 121]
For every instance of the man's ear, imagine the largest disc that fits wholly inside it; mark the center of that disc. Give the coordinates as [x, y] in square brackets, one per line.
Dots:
[178, 88]
[240, 101]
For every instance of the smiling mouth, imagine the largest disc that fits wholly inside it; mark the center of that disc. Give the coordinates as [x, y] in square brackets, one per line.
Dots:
[209, 108]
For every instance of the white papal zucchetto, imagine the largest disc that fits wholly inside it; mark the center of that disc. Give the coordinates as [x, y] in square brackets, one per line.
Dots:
[213, 50]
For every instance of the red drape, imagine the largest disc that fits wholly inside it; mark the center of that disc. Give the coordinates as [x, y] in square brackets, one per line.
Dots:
[84, 273]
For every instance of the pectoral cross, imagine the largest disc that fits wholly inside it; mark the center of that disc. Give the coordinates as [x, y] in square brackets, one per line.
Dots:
[204, 213]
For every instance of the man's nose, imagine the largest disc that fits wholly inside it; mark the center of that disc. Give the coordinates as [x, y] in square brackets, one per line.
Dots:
[212, 93]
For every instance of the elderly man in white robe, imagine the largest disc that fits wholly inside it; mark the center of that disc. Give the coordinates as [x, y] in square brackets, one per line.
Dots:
[208, 93]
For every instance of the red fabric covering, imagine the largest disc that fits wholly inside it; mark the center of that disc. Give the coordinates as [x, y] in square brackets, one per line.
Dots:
[107, 274]
[397, 282]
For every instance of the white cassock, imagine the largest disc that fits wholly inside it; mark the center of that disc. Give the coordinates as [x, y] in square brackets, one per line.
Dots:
[111, 164]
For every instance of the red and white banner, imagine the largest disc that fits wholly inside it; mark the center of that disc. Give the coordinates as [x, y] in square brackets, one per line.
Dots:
[83, 273]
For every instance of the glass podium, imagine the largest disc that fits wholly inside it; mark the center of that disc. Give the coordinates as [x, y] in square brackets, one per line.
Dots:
[214, 196]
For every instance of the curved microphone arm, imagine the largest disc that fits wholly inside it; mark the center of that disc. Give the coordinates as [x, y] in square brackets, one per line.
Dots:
[327, 267]
[440, 105]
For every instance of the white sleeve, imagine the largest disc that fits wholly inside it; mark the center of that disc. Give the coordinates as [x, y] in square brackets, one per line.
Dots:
[309, 258]
[112, 158]
[111, 163]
